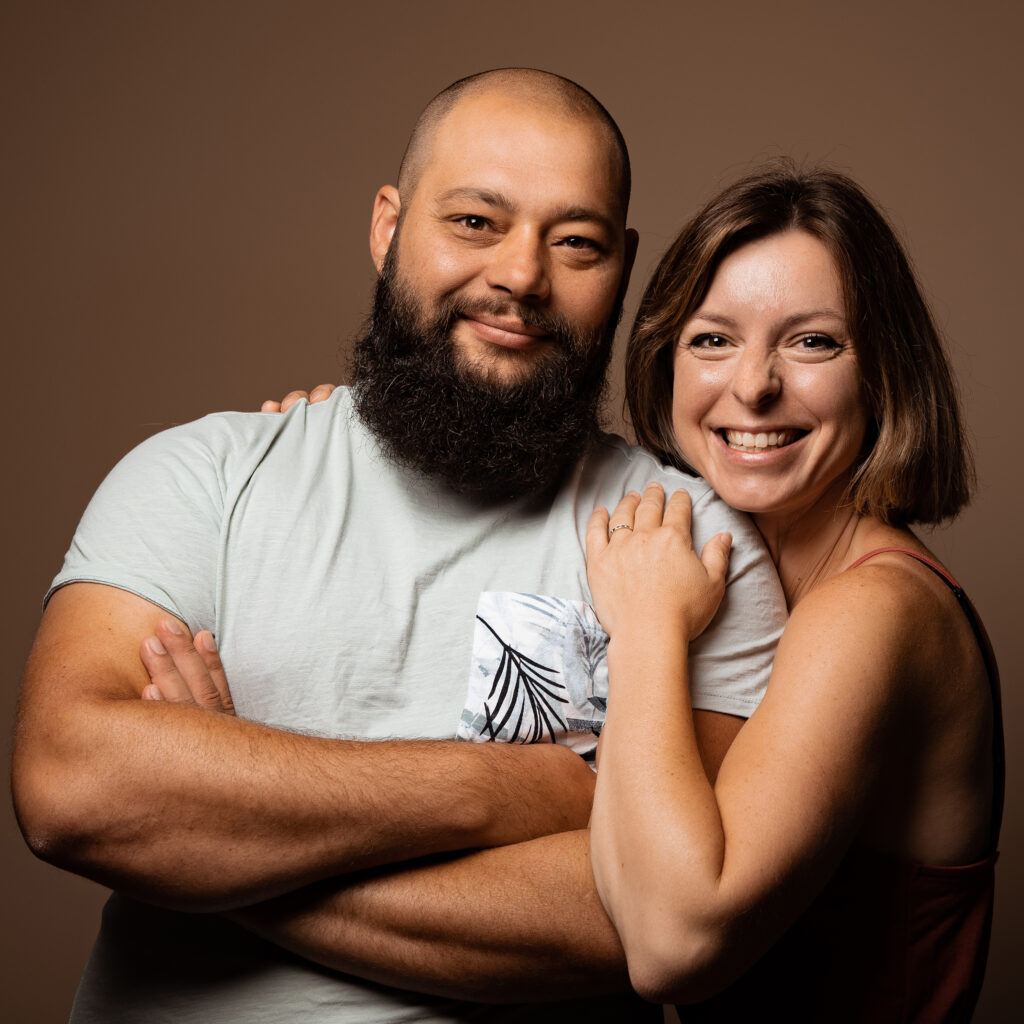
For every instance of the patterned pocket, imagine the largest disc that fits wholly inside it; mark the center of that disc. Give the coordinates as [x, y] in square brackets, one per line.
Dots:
[539, 672]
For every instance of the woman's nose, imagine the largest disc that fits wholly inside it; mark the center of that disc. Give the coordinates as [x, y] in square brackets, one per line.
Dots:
[756, 381]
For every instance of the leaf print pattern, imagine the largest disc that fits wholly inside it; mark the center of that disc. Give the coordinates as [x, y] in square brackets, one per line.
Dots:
[527, 685]
[539, 672]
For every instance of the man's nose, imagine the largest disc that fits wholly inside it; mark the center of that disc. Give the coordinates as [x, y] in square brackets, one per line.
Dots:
[756, 380]
[518, 267]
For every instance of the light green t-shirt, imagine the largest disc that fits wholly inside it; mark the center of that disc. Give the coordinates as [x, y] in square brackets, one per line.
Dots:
[351, 598]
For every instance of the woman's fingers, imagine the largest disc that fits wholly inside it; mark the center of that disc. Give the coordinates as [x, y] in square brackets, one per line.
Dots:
[291, 398]
[679, 511]
[597, 532]
[650, 507]
[624, 513]
[715, 557]
[321, 393]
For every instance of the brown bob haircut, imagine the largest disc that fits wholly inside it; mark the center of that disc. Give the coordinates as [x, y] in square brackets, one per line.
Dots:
[916, 465]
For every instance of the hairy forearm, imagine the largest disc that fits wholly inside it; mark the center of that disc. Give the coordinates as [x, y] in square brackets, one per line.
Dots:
[196, 810]
[513, 924]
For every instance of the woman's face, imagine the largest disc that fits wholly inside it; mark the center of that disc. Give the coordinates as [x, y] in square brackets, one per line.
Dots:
[767, 403]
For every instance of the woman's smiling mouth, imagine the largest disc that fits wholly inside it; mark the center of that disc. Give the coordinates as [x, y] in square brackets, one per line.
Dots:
[747, 441]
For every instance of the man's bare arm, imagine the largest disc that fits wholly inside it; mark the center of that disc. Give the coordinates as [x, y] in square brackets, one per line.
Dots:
[513, 924]
[196, 810]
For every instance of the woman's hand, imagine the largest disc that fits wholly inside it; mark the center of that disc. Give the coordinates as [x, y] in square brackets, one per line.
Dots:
[319, 394]
[643, 570]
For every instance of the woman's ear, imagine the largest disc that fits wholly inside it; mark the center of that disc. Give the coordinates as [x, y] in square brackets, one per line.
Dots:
[386, 208]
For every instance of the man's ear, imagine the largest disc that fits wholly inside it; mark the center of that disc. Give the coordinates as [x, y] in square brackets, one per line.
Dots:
[632, 240]
[386, 208]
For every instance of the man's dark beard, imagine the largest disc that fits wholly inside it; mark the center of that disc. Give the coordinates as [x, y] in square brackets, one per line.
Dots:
[487, 439]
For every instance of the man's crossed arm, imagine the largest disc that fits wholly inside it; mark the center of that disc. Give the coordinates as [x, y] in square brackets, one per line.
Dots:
[190, 808]
[203, 811]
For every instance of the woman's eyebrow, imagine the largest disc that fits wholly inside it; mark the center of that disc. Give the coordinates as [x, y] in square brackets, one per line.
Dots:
[790, 321]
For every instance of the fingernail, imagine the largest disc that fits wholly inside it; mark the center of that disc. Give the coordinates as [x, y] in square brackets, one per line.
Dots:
[172, 627]
[209, 642]
[654, 483]
[154, 692]
[155, 646]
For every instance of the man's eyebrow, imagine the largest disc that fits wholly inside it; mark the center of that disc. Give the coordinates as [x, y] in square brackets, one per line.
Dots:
[478, 195]
[790, 321]
[502, 202]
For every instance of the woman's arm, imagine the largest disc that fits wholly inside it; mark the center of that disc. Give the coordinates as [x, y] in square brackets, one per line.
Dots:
[700, 880]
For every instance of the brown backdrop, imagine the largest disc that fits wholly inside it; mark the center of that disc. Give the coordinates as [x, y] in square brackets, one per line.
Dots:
[186, 191]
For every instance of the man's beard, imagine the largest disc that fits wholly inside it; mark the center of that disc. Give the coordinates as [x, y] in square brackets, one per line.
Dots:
[489, 439]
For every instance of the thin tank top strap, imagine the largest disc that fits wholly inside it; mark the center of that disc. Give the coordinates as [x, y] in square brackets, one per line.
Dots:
[935, 567]
[992, 670]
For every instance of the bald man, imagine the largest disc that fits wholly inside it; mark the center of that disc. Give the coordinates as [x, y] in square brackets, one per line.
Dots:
[383, 572]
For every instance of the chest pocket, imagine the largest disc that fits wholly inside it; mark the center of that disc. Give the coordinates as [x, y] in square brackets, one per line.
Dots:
[539, 673]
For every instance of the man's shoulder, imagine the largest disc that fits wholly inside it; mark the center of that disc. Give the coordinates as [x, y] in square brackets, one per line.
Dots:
[613, 457]
[613, 466]
[229, 435]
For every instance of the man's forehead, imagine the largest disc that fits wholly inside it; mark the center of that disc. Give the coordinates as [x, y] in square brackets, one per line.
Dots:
[496, 142]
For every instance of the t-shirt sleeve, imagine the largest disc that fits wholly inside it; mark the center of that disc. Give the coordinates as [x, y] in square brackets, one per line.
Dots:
[153, 527]
[730, 662]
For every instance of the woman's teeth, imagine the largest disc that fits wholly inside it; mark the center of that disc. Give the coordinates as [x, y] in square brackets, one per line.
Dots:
[745, 441]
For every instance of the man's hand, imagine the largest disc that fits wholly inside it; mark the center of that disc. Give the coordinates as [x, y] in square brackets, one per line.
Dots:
[319, 394]
[232, 812]
[185, 670]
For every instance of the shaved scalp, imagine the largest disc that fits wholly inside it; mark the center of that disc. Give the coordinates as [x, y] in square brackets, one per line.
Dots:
[540, 87]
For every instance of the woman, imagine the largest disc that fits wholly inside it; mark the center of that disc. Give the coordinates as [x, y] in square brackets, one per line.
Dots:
[841, 866]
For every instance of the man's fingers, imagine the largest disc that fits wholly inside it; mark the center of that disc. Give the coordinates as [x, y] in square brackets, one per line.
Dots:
[166, 679]
[270, 406]
[321, 393]
[179, 671]
[715, 557]
[291, 398]
[206, 645]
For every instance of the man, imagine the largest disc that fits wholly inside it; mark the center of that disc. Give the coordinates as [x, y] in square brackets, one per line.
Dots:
[354, 559]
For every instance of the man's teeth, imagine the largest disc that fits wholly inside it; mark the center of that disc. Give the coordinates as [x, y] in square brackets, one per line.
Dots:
[748, 442]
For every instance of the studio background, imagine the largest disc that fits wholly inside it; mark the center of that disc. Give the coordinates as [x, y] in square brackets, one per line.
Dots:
[186, 191]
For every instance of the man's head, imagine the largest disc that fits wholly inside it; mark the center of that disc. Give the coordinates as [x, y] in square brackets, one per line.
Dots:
[504, 258]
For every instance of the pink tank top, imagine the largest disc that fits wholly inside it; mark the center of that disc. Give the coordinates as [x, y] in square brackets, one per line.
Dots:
[885, 941]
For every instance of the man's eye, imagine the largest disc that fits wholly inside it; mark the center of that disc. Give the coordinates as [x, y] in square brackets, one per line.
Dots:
[472, 221]
[578, 242]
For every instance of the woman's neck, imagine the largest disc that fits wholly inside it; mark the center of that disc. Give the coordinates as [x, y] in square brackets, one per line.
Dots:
[812, 546]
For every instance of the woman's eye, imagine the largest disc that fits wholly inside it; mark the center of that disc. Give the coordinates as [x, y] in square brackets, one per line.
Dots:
[708, 341]
[818, 343]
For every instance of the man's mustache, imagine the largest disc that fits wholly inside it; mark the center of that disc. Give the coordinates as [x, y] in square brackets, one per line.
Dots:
[453, 307]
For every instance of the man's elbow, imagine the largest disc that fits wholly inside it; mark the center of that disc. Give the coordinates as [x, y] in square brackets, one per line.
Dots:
[50, 809]
[68, 805]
